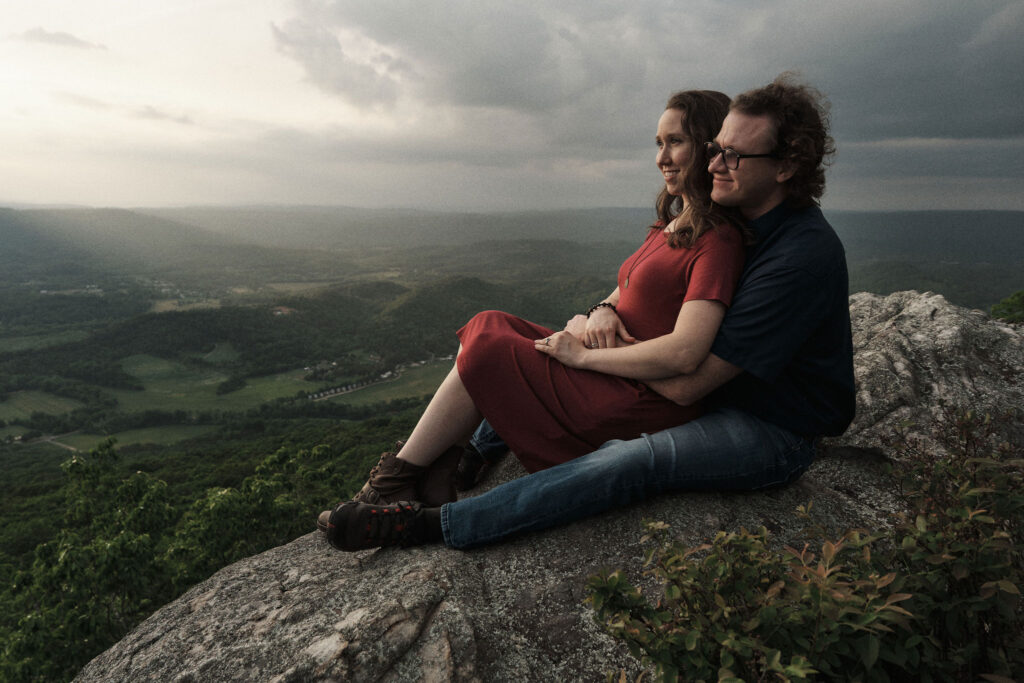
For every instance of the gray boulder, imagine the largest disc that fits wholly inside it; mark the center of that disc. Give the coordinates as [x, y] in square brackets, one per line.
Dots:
[515, 610]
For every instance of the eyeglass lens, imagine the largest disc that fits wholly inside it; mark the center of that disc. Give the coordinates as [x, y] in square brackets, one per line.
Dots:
[730, 157]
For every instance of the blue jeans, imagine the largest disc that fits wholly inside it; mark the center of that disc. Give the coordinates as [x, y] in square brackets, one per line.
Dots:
[725, 449]
[487, 442]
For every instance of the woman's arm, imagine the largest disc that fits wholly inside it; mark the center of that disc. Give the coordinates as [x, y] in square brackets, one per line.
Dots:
[676, 353]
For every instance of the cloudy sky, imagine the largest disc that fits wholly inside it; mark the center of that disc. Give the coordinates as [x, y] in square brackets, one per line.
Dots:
[487, 104]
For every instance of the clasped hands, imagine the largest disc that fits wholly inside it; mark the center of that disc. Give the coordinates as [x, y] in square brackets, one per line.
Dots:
[602, 330]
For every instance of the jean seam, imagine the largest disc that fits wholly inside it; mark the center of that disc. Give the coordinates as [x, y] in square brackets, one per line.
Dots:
[792, 470]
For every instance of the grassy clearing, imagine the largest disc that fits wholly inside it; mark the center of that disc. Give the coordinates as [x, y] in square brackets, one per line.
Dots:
[40, 341]
[170, 385]
[163, 436]
[168, 305]
[21, 405]
[222, 354]
[415, 381]
[297, 287]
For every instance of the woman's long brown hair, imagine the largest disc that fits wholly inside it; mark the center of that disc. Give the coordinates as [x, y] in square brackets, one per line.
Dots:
[702, 112]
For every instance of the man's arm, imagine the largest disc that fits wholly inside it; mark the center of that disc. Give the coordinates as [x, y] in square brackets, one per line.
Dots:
[690, 388]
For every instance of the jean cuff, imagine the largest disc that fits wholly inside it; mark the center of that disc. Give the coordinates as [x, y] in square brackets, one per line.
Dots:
[444, 525]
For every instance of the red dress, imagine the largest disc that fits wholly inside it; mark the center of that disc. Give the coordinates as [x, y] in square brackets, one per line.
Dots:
[549, 413]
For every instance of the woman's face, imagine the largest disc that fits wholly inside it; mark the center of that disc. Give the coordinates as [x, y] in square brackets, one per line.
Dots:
[675, 150]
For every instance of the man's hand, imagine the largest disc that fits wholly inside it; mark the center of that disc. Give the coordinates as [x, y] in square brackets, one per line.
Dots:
[603, 326]
[563, 347]
[688, 389]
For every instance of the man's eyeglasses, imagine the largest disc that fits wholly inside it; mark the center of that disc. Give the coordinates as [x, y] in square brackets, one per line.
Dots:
[730, 156]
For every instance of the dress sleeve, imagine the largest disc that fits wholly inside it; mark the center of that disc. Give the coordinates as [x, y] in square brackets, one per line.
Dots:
[715, 269]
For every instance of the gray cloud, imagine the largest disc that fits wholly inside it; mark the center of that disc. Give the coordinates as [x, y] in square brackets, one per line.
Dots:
[911, 68]
[945, 72]
[41, 35]
[146, 112]
[896, 158]
[368, 82]
[82, 101]
[154, 114]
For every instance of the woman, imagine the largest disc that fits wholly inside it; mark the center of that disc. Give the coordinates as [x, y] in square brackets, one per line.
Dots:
[554, 396]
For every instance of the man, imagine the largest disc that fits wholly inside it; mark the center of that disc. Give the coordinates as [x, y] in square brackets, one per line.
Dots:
[780, 372]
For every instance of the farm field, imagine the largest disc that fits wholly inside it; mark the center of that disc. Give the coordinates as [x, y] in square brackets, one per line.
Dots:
[414, 381]
[163, 436]
[171, 385]
[40, 341]
[21, 405]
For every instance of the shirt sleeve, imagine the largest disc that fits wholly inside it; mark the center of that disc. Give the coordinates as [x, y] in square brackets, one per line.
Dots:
[713, 273]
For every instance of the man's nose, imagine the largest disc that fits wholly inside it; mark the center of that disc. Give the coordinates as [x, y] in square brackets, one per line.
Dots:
[717, 163]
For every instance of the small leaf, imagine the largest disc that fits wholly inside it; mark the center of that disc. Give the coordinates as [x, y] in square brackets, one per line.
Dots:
[897, 597]
[828, 551]
[870, 655]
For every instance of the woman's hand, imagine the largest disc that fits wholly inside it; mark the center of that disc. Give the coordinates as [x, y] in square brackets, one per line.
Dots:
[603, 326]
[563, 347]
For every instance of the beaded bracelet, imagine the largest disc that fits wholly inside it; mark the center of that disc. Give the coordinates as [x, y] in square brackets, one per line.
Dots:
[602, 305]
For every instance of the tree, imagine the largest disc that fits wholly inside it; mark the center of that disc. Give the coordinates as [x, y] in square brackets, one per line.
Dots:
[98, 578]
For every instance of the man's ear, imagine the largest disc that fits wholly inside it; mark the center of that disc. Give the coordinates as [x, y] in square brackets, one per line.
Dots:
[785, 171]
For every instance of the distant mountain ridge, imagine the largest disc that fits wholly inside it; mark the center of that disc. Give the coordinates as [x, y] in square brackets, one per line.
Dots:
[340, 227]
[973, 257]
[962, 236]
[161, 234]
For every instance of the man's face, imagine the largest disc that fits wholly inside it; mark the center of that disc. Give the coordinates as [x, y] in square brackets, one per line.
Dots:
[757, 185]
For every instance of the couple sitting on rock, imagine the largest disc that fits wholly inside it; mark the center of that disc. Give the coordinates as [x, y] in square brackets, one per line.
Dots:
[722, 354]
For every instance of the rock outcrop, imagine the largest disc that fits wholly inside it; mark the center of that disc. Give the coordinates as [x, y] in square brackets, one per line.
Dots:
[515, 611]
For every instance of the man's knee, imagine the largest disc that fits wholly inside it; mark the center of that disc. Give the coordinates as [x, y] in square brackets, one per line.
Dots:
[630, 463]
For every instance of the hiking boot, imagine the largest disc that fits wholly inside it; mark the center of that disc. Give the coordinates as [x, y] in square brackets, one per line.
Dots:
[391, 479]
[323, 521]
[470, 470]
[437, 485]
[358, 526]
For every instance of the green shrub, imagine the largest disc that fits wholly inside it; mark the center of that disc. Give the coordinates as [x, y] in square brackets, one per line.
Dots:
[935, 597]
[1010, 309]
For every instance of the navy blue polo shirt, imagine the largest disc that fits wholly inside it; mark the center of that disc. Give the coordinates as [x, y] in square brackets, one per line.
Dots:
[789, 327]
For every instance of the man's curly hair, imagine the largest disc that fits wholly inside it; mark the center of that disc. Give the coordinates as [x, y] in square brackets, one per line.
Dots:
[801, 118]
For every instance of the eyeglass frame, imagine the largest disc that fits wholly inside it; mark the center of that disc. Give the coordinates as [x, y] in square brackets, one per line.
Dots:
[711, 144]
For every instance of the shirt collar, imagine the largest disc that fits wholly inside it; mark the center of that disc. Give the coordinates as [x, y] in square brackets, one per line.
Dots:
[765, 224]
